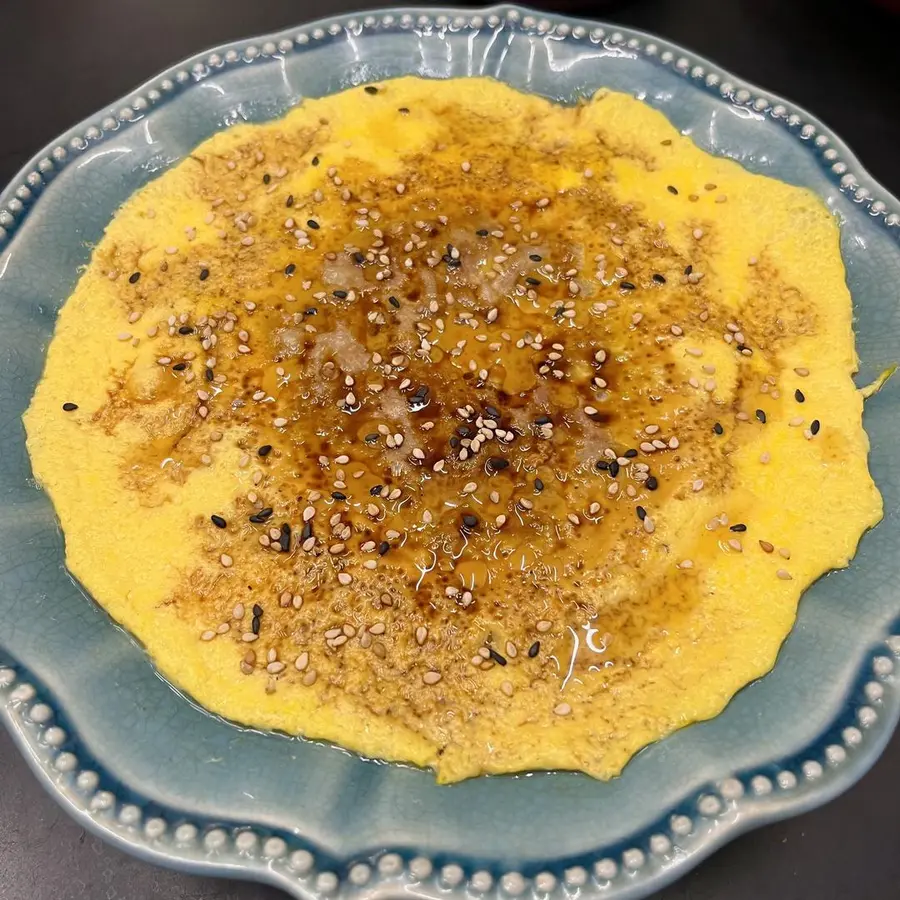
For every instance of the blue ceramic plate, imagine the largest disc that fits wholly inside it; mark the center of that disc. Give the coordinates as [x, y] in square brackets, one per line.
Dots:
[139, 764]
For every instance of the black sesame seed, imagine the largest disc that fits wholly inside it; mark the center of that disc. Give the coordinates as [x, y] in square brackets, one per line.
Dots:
[371, 89]
[532, 281]
[454, 442]
[70, 407]
[482, 232]
[688, 269]
[659, 279]
[290, 201]
[740, 526]
[534, 649]
[265, 450]
[614, 468]
[535, 257]
[310, 311]
[376, 491]
[718, 429]
[208, 374]
[631, 453]
[134, 278]
[284, 540]
[761, 415]
[641, 512]
[542, 420]
[341, 295]
[218, 521]
[371, 438]
[626, 285]
[496, 657]
[185, 329]
[312, 223]
[262, 516]
[815, 426]
[492, 412]
[289, 269]
[496, 463]
[403, 110]
[798, 396]
[651, 483]
[394, 302]
[470, 521]
[306, 532]
[337, 495]
[559, 311]
[383, 548]
[204, 274]
[257, 609]
[538, 485]
[267, 178]
[315, 160]
[254, 625]
[179, 367]
[602, 465]
[672, 189]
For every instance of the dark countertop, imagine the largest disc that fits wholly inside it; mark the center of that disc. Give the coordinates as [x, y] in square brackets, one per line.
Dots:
[61, 61]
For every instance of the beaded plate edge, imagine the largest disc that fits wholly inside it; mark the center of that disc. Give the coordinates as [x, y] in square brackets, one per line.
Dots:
[651, 860]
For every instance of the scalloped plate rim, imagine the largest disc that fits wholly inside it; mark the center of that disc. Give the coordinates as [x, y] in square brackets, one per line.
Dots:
[234, 866]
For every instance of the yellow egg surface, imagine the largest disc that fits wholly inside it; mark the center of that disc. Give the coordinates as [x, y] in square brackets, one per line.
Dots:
[458, 427]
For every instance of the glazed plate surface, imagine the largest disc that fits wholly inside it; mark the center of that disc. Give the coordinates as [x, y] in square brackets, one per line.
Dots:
[140, 764]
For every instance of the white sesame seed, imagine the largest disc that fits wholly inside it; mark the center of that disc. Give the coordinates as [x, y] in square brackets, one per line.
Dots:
[302, 661]
[562, 709]
[431, 677]
[226, 560]
[784, 575]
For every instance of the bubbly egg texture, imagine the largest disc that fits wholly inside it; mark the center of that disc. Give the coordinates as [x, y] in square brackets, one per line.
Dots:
[458, 427]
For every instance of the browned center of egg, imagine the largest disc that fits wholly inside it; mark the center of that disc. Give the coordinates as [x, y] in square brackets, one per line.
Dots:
[453, 394]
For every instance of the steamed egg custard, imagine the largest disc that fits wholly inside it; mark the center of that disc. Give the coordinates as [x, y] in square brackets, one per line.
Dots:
[458, 427]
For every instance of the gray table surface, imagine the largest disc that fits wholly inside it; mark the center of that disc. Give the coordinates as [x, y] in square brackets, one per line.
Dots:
[60, 61]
